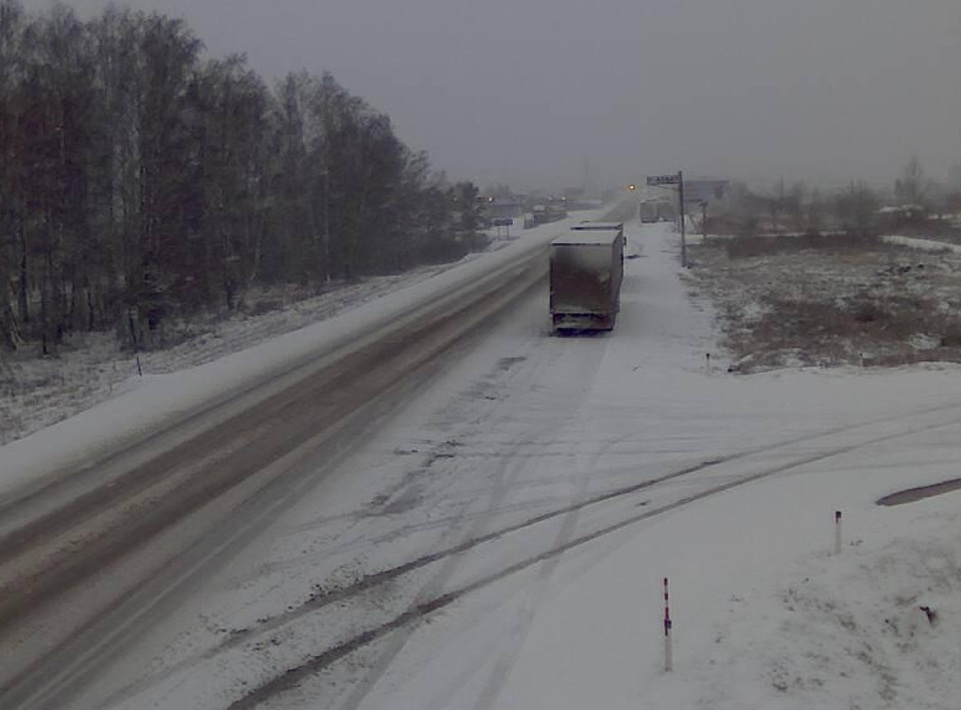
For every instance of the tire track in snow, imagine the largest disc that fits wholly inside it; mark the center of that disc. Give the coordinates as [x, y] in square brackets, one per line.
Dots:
[619, 491]
[423, 607]
[508, 471]
[506, 659]
[336, 596]
[538, 430]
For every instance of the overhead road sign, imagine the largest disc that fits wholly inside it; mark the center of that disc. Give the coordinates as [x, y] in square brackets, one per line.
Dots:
[658, 180]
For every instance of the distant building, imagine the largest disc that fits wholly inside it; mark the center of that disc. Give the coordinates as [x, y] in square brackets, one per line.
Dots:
[502, 208]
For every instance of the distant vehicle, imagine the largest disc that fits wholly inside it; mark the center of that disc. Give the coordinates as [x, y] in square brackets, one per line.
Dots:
[666, 211]
[551, 212]
[648, 211]
[587, 267]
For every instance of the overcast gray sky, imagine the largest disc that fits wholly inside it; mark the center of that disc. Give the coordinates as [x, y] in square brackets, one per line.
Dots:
[534, 91]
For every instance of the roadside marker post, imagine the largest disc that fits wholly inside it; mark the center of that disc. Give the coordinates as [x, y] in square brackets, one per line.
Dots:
[837, 532]
[680, 201]
[668, 648]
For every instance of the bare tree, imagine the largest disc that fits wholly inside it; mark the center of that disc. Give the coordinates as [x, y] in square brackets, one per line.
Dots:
[792, 203]
[856, 208]
[13, 255]
[139, 181]
[913, 188]
[815, 212]
[228, 215]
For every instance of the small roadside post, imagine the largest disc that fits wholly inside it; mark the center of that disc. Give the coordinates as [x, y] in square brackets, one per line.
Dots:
[668, 649]
[837, 532]
[680, 200]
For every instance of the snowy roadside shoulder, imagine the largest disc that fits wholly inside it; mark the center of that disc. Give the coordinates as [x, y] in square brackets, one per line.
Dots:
[874, 626]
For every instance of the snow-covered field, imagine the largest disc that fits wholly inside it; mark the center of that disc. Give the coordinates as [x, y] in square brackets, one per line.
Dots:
[830, 300]
[751, 470]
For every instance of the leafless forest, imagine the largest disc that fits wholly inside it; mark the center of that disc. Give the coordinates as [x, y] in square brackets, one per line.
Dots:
[141, 181]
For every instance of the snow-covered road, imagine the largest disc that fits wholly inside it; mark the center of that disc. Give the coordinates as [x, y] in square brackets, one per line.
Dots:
[501, 543]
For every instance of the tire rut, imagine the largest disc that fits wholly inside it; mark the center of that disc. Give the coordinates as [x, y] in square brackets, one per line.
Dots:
[423, 607]
[294, 675]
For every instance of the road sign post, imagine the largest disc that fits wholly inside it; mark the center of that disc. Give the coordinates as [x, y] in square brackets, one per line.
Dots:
[675, 179]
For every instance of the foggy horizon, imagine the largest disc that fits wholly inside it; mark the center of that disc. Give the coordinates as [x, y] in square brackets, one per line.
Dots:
[531, 95]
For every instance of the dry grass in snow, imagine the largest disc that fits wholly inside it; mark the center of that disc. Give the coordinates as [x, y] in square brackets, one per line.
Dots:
[830, 300]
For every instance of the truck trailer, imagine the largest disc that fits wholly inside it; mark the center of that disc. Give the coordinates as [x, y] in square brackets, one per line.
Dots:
[648, 211]
[590, 226]
[587, 266]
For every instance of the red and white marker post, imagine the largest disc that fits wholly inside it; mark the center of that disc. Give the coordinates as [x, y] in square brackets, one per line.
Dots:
[668, 649]
[837, 532]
